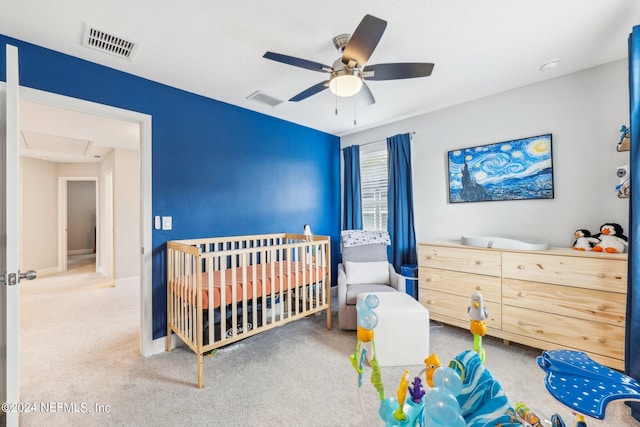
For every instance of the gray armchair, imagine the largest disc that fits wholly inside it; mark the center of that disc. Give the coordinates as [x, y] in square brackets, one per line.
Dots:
[363, 266]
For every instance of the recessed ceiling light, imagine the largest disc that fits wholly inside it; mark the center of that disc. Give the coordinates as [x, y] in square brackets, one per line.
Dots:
[550, 65]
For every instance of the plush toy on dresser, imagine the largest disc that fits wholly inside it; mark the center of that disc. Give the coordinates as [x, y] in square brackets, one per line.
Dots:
[584, 241]
[612, 239]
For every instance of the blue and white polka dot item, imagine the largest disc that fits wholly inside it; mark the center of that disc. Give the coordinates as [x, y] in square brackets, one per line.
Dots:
[584, 385]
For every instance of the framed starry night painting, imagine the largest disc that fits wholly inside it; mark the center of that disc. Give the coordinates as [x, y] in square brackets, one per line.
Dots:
[521, 169]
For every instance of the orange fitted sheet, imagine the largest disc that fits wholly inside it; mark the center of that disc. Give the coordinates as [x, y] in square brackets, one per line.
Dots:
[273, 283]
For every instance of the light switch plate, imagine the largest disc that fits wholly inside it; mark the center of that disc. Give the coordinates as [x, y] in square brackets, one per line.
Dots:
[167, 223]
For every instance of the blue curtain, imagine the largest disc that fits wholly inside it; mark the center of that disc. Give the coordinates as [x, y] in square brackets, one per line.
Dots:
[632, 337]
[352, 219]
[400, 198]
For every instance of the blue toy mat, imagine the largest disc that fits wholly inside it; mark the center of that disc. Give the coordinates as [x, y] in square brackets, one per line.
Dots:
[584, 385]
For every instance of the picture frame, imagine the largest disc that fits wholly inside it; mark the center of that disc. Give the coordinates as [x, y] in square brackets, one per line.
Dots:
[520, 169]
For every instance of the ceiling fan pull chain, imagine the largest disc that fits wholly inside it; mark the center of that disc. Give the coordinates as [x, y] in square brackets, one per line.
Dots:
[354, 113]
[336, 96]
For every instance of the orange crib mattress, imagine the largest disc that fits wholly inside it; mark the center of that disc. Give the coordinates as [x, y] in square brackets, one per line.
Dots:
[273, 282]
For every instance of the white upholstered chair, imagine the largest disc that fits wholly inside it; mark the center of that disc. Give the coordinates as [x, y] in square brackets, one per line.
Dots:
[364, 268]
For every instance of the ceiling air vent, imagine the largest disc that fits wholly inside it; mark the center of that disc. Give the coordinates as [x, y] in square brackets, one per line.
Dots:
[109, 43]
[263, 98]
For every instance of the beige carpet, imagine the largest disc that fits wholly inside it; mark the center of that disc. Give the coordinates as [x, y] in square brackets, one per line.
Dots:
[79, 356]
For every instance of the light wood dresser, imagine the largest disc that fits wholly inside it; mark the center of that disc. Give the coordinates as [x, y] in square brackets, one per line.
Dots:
[558, 298]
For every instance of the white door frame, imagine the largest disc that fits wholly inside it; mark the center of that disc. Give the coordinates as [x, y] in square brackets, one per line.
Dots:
[63, 235]
[147, 345]
[106, 255]
[10, 390]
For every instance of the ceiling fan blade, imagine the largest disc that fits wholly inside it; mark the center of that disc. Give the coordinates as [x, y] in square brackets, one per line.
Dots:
[297, 62]
[406, 70]
[364, 41]
[311, 91]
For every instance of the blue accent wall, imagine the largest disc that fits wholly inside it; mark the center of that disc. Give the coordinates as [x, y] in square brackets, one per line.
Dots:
[217, 169]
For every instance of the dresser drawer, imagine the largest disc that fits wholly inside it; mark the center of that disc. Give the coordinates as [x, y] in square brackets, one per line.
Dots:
[475, 261]
[584, 272]
[455, 307]
[586, 304]
[462, 284]
[563, 331]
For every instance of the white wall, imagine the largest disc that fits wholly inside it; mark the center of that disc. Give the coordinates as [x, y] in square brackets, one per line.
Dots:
[39, 215]
[106, 250]
[583, 111]
[39, 192]
[127, 232]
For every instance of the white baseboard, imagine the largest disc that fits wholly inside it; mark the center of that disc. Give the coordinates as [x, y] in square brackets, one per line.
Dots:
[159, 345]
[47, 271]
[80, 251]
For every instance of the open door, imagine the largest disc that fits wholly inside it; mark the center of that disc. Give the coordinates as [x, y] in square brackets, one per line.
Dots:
[10, 276]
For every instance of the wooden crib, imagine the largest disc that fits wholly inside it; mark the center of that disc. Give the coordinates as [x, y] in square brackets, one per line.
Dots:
[222, 290]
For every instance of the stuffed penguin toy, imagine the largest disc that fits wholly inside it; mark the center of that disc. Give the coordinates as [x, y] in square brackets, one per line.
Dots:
[584, 241]
[612, 239]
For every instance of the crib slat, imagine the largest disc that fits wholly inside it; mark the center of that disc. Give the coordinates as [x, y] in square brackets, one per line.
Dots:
[244, 293]
[223, 302]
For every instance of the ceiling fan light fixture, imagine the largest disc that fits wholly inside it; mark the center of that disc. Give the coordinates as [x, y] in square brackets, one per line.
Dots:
[345, 82]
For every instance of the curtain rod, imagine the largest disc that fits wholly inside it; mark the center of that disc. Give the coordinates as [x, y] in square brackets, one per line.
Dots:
[380, 140]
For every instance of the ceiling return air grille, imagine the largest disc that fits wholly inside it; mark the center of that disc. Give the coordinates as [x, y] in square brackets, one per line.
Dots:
[263, 98]
[109, 43]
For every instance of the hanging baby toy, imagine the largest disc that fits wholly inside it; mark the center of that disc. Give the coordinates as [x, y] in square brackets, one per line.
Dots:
[367, 320]
[478, 314]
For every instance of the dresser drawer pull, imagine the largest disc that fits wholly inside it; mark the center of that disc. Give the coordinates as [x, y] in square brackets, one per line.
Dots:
[602, 340]
[478, 288]
[520, 267]
[479, 262]
[521, 294]
[430, 302]
[600, 275]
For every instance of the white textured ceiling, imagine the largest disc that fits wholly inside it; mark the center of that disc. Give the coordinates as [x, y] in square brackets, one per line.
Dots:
[215, 48]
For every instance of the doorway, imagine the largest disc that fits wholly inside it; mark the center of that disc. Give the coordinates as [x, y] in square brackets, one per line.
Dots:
[79, 225]
[142, 244]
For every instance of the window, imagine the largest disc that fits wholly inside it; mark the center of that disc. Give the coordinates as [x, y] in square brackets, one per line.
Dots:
[374, 184]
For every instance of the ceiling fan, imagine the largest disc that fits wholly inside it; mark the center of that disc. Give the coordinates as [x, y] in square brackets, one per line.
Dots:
[349, 71]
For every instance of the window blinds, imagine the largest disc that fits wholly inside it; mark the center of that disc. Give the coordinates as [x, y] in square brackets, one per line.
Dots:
[374, 181]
